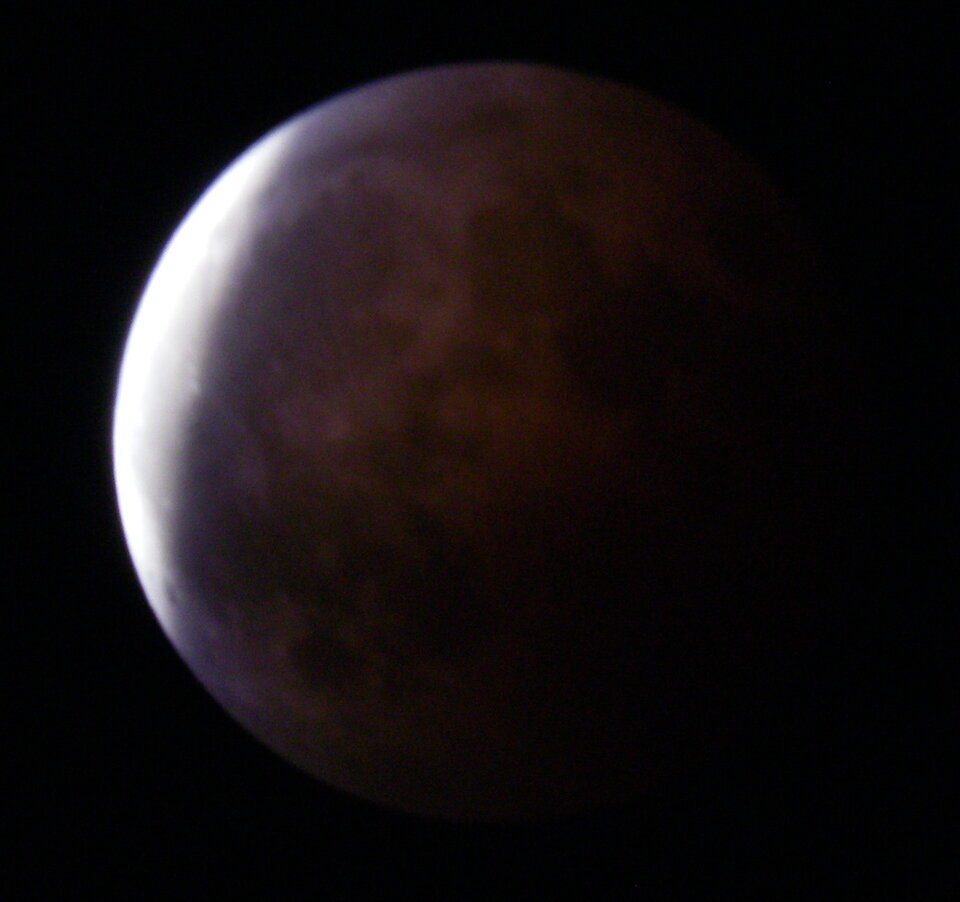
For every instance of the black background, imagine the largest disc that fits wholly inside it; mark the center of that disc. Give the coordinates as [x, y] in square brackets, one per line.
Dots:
[129, 780]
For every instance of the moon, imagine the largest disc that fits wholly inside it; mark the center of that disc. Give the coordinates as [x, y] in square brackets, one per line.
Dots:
[465, 440]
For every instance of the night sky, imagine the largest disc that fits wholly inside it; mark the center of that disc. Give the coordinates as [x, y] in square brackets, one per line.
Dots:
[128, 779]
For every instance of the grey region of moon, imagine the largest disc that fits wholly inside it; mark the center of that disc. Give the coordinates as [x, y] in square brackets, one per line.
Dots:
[464, 439]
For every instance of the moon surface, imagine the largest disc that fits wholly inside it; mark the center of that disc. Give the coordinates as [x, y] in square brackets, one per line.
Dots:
[465, 440]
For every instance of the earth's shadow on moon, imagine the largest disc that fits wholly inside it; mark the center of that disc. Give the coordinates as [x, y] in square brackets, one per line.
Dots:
[355, 447]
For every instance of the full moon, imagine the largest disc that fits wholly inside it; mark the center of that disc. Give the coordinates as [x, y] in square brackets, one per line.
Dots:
[467, 441]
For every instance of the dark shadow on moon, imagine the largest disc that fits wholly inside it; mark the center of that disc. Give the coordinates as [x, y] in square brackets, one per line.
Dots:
[509, 509]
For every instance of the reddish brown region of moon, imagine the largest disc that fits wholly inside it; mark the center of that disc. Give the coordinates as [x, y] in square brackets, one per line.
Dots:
[469, 440]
